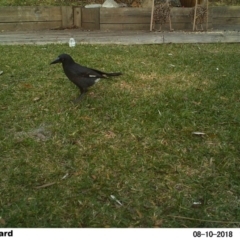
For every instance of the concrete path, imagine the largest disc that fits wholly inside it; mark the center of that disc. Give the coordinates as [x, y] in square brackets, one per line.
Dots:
[117, 37]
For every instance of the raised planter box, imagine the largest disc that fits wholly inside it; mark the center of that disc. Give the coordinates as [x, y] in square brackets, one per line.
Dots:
[226, 18]
[219, 18]
[40, 18]
[35, 18]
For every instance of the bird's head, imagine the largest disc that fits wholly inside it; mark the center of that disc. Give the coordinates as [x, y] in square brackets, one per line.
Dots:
[63, 58]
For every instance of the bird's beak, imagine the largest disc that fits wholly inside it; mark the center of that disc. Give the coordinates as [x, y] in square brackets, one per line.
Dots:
[57, 60]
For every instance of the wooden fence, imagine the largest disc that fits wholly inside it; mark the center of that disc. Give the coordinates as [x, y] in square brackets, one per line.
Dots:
[39, 18]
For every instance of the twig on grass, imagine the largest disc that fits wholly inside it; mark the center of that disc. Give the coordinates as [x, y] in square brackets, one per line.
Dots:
[45, 185]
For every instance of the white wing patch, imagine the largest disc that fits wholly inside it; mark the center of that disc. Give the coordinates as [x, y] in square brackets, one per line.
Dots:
[92, 75]
[97, 80]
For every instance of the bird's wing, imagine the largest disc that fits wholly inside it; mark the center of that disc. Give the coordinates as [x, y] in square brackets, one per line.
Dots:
[82, 71]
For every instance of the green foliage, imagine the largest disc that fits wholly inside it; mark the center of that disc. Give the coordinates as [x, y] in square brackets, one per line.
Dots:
[131, 137]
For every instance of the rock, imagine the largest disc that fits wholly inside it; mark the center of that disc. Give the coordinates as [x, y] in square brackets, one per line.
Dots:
[110, 4]
[93, 6]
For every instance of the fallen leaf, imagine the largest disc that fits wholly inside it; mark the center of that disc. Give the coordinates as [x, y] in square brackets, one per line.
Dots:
[110, 134]
[85, 118]
[196, 204]
[2, 221]
[196, 103]
[36, 99]
[77, 173]
[115, 199]
[158, 223]
[198, 133]
[27, 85]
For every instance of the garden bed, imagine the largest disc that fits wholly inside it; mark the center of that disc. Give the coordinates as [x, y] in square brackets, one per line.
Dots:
[61, 17]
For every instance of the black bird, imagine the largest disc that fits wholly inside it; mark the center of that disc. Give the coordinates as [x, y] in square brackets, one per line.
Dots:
[81, 76]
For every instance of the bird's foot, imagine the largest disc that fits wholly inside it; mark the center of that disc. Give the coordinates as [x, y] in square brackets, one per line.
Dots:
[76, 101]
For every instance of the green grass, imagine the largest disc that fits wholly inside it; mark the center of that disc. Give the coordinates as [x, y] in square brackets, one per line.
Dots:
[130, 137]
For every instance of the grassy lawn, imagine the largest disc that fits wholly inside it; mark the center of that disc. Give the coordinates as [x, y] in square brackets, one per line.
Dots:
[131, 137]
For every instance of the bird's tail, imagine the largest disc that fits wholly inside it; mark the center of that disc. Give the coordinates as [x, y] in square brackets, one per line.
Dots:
[113, 74]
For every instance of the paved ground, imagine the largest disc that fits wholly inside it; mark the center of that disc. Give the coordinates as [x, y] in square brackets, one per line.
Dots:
[119, 37]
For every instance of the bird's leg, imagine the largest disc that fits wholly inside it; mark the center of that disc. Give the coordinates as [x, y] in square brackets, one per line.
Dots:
[79, 98]
[83, 91]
